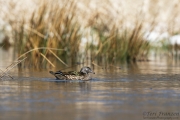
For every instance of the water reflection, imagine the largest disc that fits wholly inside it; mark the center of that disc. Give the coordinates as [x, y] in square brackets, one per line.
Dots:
[124, 93]
[96, 99]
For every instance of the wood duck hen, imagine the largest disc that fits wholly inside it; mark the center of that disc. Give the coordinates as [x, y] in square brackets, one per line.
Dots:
[83, 74]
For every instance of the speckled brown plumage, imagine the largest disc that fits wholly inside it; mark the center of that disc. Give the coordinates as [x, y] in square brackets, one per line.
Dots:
[73, 75]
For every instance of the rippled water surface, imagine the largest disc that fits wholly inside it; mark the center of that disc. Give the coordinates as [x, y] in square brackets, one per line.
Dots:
[131, 93]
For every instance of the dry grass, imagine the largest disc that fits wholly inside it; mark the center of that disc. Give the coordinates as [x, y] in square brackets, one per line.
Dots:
[114, 30]
[51, 26]
[128, 45]
[11, 66]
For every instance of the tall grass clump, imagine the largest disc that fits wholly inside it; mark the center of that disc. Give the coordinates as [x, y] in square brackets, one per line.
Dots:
[50, 26]
[55, 29]
[117, 42]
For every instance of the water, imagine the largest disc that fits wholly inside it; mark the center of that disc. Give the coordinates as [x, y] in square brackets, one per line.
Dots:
[134, 92]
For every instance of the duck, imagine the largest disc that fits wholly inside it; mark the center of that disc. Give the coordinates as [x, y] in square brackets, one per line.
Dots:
[83, 74]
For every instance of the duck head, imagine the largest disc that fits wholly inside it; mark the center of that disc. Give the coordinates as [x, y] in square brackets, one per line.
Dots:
[86, 70]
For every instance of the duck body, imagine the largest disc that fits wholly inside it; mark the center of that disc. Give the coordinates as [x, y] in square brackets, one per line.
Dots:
[83, 74]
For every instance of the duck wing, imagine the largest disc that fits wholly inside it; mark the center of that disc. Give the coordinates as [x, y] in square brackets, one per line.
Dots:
[58, 75]
[72, 73]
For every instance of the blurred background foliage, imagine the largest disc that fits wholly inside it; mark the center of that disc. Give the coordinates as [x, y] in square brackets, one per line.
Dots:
[90, 31]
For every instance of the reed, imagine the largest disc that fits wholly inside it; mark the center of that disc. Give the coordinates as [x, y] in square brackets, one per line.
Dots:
[51, 26]
[62, 25]
[120, 45]
[11, 66]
